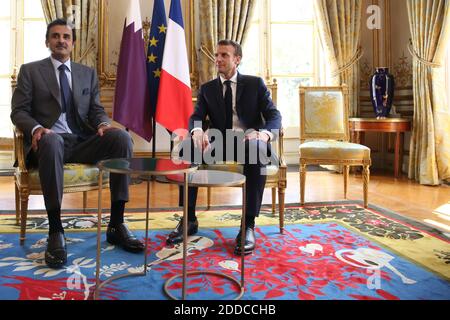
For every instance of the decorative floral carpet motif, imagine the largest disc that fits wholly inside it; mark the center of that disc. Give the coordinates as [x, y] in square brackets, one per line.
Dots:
[328, 251]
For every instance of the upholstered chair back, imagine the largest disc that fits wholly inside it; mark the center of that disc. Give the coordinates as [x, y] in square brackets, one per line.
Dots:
[324, 113]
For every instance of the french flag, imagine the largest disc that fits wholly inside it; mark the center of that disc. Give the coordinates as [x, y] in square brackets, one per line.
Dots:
[174, 105]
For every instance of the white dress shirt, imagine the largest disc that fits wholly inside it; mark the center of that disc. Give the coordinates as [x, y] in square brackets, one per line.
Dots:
[236, 123]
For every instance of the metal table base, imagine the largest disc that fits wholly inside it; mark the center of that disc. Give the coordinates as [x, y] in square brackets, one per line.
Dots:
[184, 275]
[99, 285]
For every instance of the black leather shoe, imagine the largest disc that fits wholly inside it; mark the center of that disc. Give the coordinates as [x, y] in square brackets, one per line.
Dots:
[121, 236]
[176, 236]
[250, 242]
[56, 252]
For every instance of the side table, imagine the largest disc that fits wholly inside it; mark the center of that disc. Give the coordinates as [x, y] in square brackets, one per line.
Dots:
[146, 167]
[210, 178]
[358, 126]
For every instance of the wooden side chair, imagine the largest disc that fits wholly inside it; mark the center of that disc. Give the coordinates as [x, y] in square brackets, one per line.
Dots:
[324, 135]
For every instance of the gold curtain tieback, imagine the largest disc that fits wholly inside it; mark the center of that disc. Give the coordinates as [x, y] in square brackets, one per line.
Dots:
[427, 63]
[85, 53]
[356, 57]
[207, 53]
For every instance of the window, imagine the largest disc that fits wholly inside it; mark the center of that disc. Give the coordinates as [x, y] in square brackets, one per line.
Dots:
[5, 66]
[22, 26]
[283, 43]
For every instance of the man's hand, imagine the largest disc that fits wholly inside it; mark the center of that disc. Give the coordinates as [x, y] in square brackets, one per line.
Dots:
[37, 135]
[103, 128]
[256, 135]
[200, 139]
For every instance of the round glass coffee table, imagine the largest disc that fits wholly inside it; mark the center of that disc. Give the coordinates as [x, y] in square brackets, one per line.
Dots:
[209, 178]
[142, 167]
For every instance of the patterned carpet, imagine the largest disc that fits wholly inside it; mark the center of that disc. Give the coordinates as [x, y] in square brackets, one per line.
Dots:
[333, 250]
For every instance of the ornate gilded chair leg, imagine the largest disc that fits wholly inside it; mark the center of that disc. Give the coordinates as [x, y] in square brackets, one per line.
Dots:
[84, 201]
[281, 194]
[302, 183]
[17, 204]
[346, 171]
[23, 216]
[208, 198]
[274, 199]
[366, 178]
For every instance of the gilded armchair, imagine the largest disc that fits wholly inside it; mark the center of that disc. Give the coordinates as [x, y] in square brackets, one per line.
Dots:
[77, 178]
[324, 135]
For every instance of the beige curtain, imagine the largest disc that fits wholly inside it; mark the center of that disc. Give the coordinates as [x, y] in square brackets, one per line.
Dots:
[339, 25]
[221, 19]
[85, 15]
[429, 157]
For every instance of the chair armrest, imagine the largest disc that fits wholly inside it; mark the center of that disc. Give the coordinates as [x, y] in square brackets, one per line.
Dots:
[280, 149]
[18, 149]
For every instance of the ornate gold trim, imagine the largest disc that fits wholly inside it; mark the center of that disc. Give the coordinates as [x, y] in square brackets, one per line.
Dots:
[387, 33]
[365, 71]
[106, 79]
[375, 42]
[354, 162]
[193, 59]
[402, 72]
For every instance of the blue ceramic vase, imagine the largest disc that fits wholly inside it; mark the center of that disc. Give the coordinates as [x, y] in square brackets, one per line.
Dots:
[382, 87]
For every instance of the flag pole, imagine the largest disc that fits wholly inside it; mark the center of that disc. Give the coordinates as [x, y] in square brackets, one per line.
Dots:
[154, 137]
[146, 26]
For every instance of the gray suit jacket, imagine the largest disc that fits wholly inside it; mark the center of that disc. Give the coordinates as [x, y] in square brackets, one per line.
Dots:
[36, 99]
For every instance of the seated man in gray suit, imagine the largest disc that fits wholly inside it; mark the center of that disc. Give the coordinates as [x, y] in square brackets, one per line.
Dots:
[57, 106]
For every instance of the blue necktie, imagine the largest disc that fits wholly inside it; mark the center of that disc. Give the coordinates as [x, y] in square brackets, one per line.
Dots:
[228, 105]
[66, 99]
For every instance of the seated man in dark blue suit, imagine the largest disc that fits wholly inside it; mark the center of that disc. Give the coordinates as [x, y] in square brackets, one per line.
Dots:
[239, 103]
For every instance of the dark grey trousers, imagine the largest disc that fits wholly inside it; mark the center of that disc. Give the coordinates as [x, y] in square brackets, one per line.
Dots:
[56, 149]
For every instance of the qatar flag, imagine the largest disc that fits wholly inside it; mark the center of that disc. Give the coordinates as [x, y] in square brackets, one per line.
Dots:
[132, 99]
[174, 105]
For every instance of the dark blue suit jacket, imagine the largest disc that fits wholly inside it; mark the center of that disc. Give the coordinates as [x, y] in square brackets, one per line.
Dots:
[254, 106]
